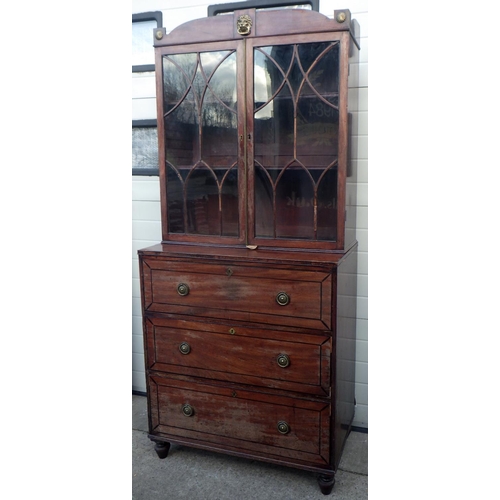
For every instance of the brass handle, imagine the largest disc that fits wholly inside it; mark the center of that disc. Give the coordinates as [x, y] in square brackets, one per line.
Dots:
[187, 410]
[282, 299]
[185, 348]
[283, 427]
[182, 289]
[283, 360]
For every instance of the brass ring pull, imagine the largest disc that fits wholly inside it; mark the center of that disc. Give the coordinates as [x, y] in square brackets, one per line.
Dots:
[187, 410]
[185, 348]
[283, 360]
[182, 289]
[283, 427]
[282, 299]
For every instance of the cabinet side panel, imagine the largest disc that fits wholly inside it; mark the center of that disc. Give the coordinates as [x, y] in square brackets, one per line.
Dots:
[345, 350]
[353, 119]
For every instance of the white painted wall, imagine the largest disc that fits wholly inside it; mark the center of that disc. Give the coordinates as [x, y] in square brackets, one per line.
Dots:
[146, 192]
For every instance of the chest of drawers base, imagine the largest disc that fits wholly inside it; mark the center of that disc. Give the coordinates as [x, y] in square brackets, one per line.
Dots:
[250, 355]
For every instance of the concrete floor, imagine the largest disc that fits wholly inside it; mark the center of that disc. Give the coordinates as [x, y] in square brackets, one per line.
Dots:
[202, 475]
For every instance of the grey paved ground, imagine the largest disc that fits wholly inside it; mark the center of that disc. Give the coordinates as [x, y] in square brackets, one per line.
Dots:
[188, 473]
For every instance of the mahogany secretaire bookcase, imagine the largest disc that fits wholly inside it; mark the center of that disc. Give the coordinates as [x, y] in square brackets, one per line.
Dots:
[249, 301]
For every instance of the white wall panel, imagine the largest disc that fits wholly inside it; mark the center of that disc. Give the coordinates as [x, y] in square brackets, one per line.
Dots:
[138, 380]
[136, 288]
[362, 217]
[361, 416]
[361, 393]
[362, 192]
[359, 147]
[169, 5]
[363, 75]
[362, 285]
[139, 6]
[360, 122]
[145, 189]
[362, 369]
[355, 6]
[144, 109]
[362, 262]
[362, 329]
[362, 169]
[137, 328]
[362, 307]
[179, 16]
[135, 267]
[137, 343]
[146, 230]
[362, 237]
[143, 85]
[362, 101]
[136, 307]
[363, 52]
[146, 210]
[363, 21]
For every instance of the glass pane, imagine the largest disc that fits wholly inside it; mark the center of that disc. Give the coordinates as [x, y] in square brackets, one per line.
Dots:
[182, 134]
[175, 198]
[144, 147]
[264, 198]
[178, 73]
[219, 117]
[327, 206]
[295, 204]
[296, 140]
[305, 7]
[202, 201]
[201, 139]
[229, 202]
[142, 42]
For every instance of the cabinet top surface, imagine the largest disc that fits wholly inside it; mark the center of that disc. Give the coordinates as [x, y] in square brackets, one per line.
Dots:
[259, 256]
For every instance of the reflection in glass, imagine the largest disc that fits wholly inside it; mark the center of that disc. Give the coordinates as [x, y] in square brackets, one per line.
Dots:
[295, 204]
[296, 140]
[229, 201]
[202, 200]
[175, 187]
[201, 142]
[327, 205]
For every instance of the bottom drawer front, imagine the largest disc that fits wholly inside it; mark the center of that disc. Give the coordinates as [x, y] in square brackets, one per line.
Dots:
[250, 421]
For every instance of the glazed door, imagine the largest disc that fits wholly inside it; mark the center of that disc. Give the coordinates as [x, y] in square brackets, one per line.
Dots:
[295, 122]
[203, 175]
[250, 141]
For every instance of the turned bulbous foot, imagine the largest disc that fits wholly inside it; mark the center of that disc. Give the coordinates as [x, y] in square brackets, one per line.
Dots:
[162, 449]
[326, 482]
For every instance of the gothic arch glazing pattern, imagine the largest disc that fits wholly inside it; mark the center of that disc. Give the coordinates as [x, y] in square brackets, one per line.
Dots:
[296, 116]
[201, 120]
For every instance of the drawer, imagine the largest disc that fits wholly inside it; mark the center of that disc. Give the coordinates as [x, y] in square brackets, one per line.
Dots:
[293, 297]
[246, 421]
[289, 361]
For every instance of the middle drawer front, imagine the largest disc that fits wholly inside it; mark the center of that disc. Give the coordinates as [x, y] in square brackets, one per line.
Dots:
[281, 360]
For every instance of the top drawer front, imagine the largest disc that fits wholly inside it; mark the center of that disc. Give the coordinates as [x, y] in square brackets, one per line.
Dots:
[238, 292]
